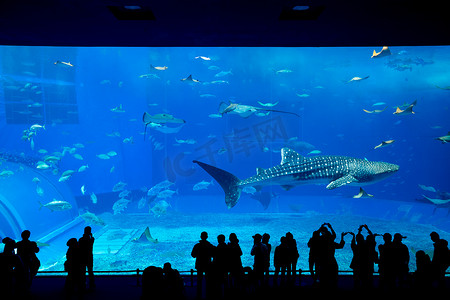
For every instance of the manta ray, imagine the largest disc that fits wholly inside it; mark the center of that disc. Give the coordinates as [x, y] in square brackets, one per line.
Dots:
[406, 111]
[295, 169]
[160, 119]
[246, 111]
[384, 52]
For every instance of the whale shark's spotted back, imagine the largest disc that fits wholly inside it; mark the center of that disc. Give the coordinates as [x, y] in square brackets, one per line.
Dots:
[295, 169]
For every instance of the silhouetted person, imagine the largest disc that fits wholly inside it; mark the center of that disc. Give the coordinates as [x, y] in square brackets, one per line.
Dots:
[328, 274]
[86, 244]
[12, 272]
[293, 255]
[281, 260]
[423, 274]
[220, 265]
[386, 262]
[440, 260]
[153, 285]
[174, 283]
[203, 252]
[259, 252]
[265, 240]
[234, 260]
[73, 267]
[400, 260]
[314, 251]
[27, 250]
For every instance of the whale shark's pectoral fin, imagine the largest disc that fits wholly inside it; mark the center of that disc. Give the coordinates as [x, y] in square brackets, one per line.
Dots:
[346, 179]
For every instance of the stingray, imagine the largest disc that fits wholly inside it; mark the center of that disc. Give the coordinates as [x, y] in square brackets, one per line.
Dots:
[362, 194]
[384, 52]
[439, 202]
[160, 119]
[146, 237]
[384, 144]
[406, 111]
[246, 110]
[189, 78]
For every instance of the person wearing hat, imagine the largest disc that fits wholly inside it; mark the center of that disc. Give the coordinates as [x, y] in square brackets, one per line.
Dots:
[400, 260]
[260, 253]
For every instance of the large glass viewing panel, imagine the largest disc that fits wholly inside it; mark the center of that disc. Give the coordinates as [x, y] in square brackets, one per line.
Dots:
[106, 137]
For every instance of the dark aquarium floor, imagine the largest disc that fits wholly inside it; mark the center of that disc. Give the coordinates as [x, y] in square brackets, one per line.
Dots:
[118, 246]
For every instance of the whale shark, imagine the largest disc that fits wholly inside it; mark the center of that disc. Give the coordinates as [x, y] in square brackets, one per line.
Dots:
[295, 169]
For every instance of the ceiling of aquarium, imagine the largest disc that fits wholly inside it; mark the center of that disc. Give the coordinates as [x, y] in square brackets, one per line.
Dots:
[151, 145]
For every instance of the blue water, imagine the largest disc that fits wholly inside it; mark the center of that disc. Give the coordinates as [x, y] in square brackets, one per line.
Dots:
[77, 104]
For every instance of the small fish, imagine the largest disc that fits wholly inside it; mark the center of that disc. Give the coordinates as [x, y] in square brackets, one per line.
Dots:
[83, 168]
[444, 139]
[166, 194]
[111, 153]
[315, 152]
[189, 78]
[379, 104]
[375, 111]
[215, 116]
[42, 166]
[302, 95]
[56, 205]
[119, 186]
[6, 173]
[78, 156]
[36, 180]
[39, 191]
[68, 173]
[64, 178]
[63, 64]
[128, 140]
[159, 68]
[118, 109]
[112, 169]
[203, 57]
[91, 218]
[153, 76]
[283, 71]
[384, 52]
[103, 156]
[362, 194]
[356, 78]
[384, 144]
[35, 127]
[223, 73]
[187, 141]
[267, 104]
[83, 189]
[202, 185]
[124, 193]
[93, 198]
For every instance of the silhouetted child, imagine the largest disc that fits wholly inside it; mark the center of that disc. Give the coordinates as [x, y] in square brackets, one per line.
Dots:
[27, 250]
[234, 261]
[259, 252]
[423, 273]
[153, 285]
[12, 272]
[203, 252]
[281, 260]
[265, 241]
[174, 283]
[73, 267]
[86, 244]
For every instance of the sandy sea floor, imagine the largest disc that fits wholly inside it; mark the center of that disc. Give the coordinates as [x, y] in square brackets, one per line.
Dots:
[178, 233]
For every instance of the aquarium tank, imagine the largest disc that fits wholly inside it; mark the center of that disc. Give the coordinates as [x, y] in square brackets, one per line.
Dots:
[152, 146]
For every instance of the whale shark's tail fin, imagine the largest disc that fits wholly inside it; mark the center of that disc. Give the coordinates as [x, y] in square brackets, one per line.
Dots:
[227, 181]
